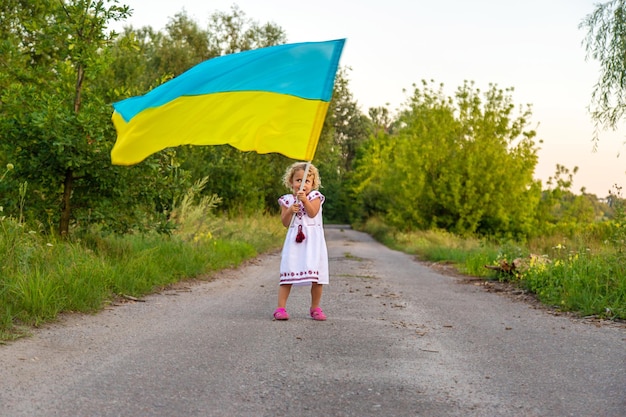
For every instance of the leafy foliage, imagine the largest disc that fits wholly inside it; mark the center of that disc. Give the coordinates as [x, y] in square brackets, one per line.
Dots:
[463, 164]
[53, 117]
[605, 42]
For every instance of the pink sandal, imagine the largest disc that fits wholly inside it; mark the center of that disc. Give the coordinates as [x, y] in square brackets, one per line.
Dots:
[318, 314]
[281, 314]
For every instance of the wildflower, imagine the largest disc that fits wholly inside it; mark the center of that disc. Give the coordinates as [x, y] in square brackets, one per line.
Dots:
[10, 166]
[49, 244]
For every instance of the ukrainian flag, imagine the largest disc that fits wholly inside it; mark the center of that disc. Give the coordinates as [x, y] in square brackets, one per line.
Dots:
[265, 100]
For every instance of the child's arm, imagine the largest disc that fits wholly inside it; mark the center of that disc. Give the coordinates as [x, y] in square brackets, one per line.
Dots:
[287, 213]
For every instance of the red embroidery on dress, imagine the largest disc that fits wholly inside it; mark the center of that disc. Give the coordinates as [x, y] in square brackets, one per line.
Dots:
[299, 276]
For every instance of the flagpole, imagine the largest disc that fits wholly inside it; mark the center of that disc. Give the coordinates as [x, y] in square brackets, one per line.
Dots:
[306, 173]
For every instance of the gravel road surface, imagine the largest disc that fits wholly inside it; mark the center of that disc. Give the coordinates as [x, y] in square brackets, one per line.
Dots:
[400, 340]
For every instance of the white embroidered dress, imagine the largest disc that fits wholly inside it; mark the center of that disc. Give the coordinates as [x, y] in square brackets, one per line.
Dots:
[305, 262]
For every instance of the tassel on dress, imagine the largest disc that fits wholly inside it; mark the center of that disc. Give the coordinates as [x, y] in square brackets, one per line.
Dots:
[300, 236]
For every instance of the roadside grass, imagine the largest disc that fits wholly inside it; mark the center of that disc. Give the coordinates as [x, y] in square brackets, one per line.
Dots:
[583, 283]
[582, 272]
[40, 279]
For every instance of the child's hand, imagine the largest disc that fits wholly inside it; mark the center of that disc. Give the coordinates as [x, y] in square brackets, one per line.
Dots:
[301, 195]
[295, 207]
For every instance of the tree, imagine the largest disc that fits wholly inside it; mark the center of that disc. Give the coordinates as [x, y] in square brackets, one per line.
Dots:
[370, 178]
[53, 116]
[345, 129]
[55, 120]
[234, 32]
[560, 206]
[462, 163]
[605, 41]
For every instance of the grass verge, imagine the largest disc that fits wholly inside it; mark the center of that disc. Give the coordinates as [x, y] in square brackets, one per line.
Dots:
[40, 279]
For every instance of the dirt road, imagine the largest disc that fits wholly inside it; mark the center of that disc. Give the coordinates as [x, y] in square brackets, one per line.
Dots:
[401, 340]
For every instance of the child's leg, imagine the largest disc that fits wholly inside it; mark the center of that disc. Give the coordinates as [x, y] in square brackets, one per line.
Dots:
[316, 294]
[283, 294]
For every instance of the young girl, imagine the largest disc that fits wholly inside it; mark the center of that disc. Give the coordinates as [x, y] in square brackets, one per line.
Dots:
[304, 259]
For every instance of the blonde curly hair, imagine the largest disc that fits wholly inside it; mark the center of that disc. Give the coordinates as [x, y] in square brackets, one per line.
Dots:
[301, 166]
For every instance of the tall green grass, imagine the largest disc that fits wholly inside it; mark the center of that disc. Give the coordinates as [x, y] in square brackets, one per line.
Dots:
[39, 278]
[590, 285]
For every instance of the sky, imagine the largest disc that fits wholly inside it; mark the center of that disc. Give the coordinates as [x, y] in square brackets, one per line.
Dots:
[533, 46]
